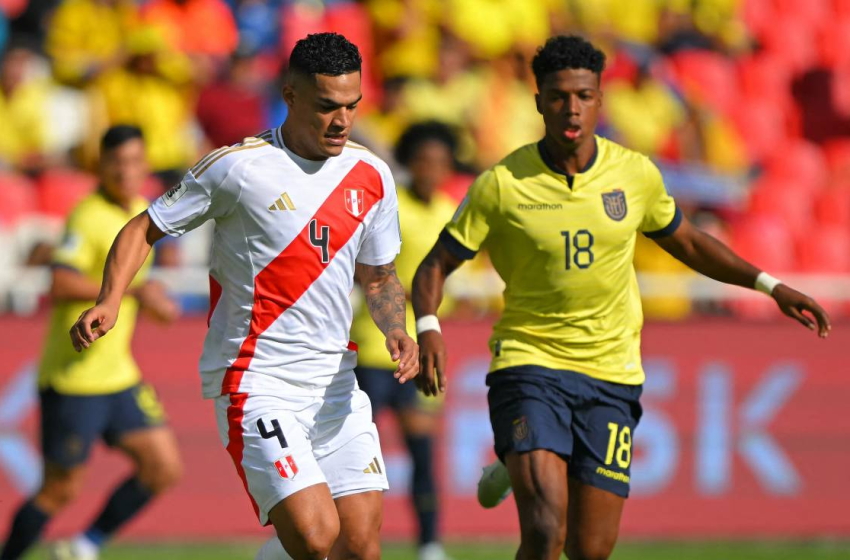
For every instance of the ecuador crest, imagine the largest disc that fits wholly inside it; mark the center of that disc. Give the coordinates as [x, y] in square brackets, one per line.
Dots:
[614, 203]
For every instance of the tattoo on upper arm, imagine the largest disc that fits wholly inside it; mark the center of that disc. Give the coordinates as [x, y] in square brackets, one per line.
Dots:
[384, 295]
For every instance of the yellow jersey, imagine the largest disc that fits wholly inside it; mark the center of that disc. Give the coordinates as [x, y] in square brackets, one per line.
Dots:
[421, 224]
[108, 366]
[564, 248]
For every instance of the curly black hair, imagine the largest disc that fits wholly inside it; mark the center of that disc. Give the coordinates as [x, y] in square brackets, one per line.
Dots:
[566, 51]
[329, 54]
[417, 134]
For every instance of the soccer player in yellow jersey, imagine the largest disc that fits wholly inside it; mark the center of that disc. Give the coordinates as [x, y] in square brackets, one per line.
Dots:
[427, 150]
[98, 394]
[559, 220]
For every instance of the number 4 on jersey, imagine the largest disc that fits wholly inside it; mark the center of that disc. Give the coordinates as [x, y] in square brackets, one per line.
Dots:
[322, 241]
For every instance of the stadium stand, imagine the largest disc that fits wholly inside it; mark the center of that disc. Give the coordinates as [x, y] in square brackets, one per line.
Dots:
[744, 104]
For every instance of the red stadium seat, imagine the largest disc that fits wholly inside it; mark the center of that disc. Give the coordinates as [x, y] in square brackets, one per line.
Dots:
[757, 15]
[765, 75]
[832, 207]
[17, 199]
[781, 198]
[59, 190]
[834, 44]
[767, 243]
[814, 14]
[763, 124]
[801, 160]
[708, 77]
[824, 249]
[764, 240]
[792, 41]
[841, 8]
[837, 153]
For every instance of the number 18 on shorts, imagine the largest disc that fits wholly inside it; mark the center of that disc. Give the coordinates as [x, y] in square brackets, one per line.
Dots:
[589, 422]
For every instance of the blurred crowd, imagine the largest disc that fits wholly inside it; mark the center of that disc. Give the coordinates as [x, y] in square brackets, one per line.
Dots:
[744, 104]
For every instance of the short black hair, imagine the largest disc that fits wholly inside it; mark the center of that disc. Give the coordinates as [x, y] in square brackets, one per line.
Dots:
[119, 134]
[329, 54]
[417, 134]
[566, 51]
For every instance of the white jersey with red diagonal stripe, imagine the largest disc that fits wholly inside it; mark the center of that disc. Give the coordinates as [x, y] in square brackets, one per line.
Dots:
[287, 234]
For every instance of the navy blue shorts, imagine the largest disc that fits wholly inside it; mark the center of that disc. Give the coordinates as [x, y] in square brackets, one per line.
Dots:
[70, 424]
[587, 421]
[384, 390]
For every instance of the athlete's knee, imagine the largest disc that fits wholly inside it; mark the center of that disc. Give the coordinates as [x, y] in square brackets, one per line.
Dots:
[160, 472]
[314, 543]
[544, 531]
[318, 544]
[57, 491]
[363, 546]
[590, 547]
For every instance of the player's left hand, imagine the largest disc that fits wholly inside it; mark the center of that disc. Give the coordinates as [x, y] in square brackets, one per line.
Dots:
[794, 304]
[403, 349]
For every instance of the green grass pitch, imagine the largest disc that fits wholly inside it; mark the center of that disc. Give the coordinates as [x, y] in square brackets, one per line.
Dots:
[505, 551]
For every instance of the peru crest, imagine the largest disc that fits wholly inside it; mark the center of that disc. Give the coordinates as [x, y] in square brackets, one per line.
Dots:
[354, 201]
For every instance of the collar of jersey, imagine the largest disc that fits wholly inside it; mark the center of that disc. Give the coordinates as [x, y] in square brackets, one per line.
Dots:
[541, 150]
[308, 166]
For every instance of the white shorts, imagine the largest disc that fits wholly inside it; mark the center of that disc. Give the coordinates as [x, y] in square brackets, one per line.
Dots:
[280, 446]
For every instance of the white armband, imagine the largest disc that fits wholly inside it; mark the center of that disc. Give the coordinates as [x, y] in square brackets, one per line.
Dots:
[427, 323]
[765, 283]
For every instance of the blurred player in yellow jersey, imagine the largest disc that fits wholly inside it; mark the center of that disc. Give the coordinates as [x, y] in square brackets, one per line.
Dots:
[427, 150]
[559, 219]
[98, 394]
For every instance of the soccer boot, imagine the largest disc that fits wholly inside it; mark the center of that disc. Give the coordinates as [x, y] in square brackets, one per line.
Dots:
[494, 485]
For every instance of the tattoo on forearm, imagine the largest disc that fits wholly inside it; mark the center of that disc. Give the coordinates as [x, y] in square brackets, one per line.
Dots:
[385, 298]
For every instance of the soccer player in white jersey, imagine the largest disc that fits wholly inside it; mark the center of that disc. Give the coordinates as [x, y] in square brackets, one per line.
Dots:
[298, 211]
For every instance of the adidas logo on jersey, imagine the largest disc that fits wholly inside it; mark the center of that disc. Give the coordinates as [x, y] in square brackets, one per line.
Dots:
[374, 467]
[283, 202]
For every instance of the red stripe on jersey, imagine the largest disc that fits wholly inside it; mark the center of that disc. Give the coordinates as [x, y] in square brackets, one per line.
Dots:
[235, 442]
[352, 345]
[215, 295]
[279, 285]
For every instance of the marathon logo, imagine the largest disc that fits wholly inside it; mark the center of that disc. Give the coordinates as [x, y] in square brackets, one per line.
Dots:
[542, 206]
[613, 475]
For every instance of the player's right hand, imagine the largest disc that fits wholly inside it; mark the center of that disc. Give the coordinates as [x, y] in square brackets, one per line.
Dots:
[432, 364]
[93, 324]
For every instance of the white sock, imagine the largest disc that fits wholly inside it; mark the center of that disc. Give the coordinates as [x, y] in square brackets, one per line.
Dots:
[272, 550]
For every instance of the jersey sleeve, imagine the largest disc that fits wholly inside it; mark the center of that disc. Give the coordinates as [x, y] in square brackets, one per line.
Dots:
[204, 193]
[661, 216]
[383, 239]
[470, 225]
[78, 249]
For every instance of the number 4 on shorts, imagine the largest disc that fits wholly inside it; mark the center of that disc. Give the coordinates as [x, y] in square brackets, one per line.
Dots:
[276, 432]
